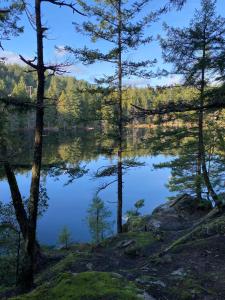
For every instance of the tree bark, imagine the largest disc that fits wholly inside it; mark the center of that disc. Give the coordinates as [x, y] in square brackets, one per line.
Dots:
[20, 211]
[201, 144]
[29, 263]
[120, 123]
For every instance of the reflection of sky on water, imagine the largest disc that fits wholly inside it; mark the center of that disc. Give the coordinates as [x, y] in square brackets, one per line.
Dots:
[68, 204]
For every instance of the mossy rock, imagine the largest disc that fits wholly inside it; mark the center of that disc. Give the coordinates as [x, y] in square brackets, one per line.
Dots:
[85, 286]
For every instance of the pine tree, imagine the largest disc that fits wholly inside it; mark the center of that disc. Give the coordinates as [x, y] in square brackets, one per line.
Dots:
[65, 237]
[20, 89]
[98, 222]
[196, 53]
[9, 19]
[121, 25]
[28, 219]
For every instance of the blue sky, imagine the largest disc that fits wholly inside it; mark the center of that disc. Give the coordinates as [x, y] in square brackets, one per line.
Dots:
[62, 32]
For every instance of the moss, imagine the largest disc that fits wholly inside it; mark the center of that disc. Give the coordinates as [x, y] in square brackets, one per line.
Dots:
[63, 265]
[141, 239]
[85, 286]
[188, 288]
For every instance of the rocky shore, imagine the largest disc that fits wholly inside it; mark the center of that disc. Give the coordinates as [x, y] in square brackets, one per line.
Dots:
[176, 253]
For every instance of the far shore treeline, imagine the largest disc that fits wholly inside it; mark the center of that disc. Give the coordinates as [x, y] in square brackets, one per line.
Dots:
[71, 102]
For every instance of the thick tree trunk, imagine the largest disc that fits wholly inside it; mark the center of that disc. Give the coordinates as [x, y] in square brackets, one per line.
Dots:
[29, 263]
[20, 211]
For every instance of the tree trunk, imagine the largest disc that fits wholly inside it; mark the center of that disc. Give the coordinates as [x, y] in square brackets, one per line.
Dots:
[28, 266]
[120, 124]
[203, 160]
[201, 131]
[120, 192]
[20, 211]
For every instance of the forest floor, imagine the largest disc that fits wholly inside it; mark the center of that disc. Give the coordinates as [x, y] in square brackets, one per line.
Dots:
[177, 253]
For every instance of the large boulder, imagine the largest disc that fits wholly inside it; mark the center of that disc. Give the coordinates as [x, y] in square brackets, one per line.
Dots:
[178, 214]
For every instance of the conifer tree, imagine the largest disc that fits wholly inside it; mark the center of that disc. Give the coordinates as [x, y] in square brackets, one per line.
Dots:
[98, 215]
[10, 12]
[28, 219]
[195, 53]
[119, 23]
[20, 90]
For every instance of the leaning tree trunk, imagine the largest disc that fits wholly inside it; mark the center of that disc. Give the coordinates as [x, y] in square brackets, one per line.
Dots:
[17, 200]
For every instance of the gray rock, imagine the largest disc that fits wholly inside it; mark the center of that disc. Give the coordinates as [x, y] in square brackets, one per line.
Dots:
[175, 215]
[89, 266]
[167, 259]
[125, 244]
[158, 282]
[146, 296]
[117, 275]
[179, 272]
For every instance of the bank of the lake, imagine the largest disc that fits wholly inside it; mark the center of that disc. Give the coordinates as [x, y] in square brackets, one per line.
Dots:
[176, 253]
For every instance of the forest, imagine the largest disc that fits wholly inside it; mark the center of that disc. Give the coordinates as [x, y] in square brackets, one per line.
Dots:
[112, 156]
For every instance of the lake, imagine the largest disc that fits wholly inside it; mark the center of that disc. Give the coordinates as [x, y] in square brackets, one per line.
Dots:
[68, 202]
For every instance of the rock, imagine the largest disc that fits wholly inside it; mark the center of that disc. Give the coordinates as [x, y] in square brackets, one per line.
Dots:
[146, 296]
[124, 244]
[117, 275]
[167, 259]
[158, 282]
[178, 214]
[89, 266]
[145, 281]
[179, 272]
[133, 251]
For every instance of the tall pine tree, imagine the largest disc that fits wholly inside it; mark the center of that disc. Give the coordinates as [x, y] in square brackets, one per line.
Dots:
[195, 53]
[121, 24]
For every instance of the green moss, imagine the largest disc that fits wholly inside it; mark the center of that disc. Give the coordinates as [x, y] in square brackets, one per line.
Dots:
[63, 265]
[141, 239]
[188, 288]
[85, 286]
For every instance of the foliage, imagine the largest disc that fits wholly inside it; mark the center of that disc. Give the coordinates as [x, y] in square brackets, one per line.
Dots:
[10, 12]
[98, 219]
[135, 212]
[65, 237]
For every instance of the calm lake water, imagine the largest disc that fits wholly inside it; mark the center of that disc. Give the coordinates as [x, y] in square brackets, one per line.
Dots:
[68, 203]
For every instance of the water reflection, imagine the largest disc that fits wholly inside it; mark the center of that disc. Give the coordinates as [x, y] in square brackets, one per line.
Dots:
[79, 164]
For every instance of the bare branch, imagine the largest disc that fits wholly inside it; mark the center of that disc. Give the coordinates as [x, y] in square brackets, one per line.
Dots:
[29, 62]
[64, 3]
